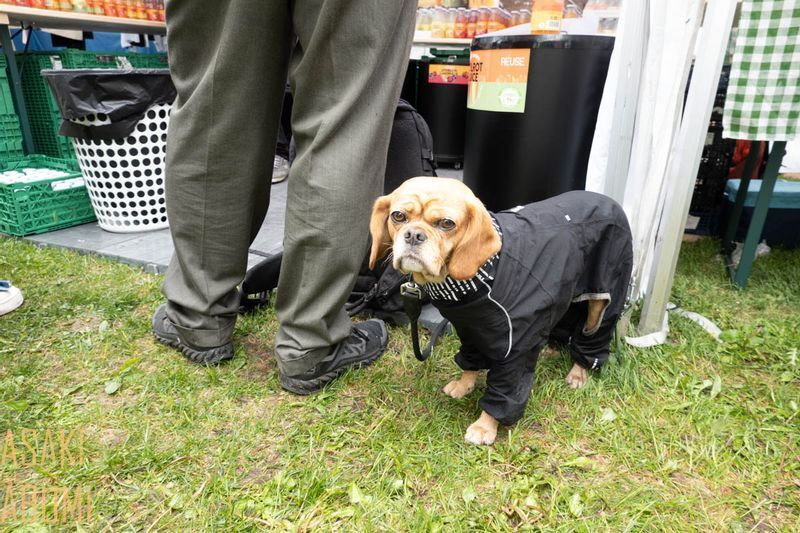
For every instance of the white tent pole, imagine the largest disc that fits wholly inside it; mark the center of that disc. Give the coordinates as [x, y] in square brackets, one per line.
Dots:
[672, 34]
[685, 158]
[632, 36]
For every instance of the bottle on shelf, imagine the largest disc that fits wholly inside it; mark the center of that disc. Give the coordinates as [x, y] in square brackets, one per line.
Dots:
[130, 9]
[150, 8]
[80, 6]
[572, 11]
[108, 8]
[472, 21]
[546, 16]
[460, 31]
[91, 7]
[496, 19]
[121, 7]
[438, 23]
[482, 23]
[450, 24]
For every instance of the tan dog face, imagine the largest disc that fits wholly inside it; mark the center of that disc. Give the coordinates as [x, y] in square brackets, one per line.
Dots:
[435, 227]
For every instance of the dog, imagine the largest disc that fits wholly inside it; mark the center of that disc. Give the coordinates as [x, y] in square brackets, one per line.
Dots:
[556, 270]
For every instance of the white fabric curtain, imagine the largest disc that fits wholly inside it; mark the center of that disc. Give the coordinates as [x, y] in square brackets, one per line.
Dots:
[631, 160]
[665, 32]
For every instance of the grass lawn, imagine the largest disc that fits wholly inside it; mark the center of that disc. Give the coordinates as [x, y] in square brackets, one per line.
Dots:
[690, 435]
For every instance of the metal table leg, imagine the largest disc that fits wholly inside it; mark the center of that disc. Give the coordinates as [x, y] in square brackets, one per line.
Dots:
[16, 89]
[742, 273]
[736, 213]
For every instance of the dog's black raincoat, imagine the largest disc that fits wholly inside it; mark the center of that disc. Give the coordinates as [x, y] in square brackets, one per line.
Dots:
[556, 255]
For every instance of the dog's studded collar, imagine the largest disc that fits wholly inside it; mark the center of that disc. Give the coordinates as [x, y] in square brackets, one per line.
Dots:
[451, 291]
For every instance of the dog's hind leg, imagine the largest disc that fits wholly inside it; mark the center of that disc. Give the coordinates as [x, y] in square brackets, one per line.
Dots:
[594, 313]
[578, 375]
[483, 430]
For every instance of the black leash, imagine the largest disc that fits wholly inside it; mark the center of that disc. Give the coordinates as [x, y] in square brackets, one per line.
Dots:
[412, 303]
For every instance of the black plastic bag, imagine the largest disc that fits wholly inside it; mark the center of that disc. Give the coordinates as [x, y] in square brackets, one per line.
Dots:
[121, 95]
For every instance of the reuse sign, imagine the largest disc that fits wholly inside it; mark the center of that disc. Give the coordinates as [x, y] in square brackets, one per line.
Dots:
[498, 80]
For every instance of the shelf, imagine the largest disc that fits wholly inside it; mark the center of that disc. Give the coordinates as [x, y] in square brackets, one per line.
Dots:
[68, 20]
[421, 40]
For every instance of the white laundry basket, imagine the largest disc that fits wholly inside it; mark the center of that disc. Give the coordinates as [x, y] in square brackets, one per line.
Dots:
[125, 177]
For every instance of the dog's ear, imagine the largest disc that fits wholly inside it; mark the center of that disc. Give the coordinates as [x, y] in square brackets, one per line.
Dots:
[381, 240]
[477, 245]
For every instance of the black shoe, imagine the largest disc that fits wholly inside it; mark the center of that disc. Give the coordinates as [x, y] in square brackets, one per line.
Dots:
[366, 343]
[165, 333]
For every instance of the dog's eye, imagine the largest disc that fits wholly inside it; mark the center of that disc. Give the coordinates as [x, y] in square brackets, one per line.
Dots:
[398, 216]
[446, 224]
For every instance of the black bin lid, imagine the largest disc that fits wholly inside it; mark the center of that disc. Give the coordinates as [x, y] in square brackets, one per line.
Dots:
[563, 41]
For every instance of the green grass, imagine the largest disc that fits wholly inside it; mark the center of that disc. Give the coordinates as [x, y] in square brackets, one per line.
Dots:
[690, 435]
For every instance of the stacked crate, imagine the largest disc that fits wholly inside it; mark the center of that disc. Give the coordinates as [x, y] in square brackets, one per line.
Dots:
[39, 194]
[10, 133]
[715, 163]
[148, 60]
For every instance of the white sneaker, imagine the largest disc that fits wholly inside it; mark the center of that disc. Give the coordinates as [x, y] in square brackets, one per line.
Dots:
[10, 297]
[280, 169]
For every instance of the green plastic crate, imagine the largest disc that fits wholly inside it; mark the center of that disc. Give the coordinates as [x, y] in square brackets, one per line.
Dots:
[71, 58]
[43, 112]
[6, 103]
[44, 205]
[148, 60]
[10, 138]
[10, 132]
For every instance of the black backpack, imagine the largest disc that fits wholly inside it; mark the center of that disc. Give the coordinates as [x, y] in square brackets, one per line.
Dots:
[376, 291]
[410, 148]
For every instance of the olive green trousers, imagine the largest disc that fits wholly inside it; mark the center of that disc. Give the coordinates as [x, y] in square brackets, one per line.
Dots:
[229, 60]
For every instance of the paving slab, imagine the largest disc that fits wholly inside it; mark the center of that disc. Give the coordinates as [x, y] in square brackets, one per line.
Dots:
[88, 237]
[152, 250]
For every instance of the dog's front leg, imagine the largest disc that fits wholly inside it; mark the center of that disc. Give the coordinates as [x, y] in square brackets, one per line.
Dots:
[458, 388]
[483, 430]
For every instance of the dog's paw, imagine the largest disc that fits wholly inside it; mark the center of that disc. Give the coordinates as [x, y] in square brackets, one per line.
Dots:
[577, 377]
[479, 434]
[458, 389]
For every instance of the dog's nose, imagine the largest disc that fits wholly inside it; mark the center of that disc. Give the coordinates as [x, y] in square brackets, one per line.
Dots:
[415, 236]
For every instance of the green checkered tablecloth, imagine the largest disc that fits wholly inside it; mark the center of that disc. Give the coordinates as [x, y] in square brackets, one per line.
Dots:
[763, 101]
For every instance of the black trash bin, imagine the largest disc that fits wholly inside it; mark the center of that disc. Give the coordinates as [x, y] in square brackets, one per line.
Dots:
[534, 143]
[442, 101]
[409, 91]
[118, 120]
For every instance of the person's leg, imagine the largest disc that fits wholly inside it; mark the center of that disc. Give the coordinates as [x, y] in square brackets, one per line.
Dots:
[285, 129]
[228, 60]
[282, 148]
[280, 167]
[346, 75]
